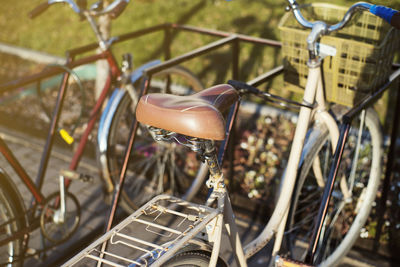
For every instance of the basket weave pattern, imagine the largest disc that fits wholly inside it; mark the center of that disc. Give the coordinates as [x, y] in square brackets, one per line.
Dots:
[365, 51]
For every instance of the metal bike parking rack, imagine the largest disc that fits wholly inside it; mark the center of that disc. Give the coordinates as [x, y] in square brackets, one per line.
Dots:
[72, 62]
[226, 39]
[70, 55]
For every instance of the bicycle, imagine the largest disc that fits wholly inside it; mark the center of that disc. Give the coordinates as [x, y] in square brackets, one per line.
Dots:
[58, 214]
[171, 232]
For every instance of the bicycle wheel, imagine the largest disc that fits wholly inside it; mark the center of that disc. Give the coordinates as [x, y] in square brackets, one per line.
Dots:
[76, 105]
[11, 221]
[352, 197]
[197, 258]
[154, 168]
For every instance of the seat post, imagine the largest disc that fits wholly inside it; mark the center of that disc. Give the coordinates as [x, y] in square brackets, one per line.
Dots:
[216, 177]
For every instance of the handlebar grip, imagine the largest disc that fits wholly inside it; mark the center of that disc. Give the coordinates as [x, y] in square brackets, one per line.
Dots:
[116, 11]
[395, 22]
[38, 10]
[392, 16]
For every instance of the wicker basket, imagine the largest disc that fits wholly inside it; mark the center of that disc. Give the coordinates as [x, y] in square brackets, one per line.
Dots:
[365, 50]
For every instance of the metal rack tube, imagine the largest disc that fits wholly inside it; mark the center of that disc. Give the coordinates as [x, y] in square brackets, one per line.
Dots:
[159, 226]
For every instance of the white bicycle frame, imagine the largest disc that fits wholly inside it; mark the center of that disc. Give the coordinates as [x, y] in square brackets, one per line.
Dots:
[211, 220]
[313, 93]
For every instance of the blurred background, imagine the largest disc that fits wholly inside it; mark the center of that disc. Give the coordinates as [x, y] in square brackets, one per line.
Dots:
[59, 29]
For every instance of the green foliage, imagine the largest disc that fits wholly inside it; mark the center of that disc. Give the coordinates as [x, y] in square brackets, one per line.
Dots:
[59, 29]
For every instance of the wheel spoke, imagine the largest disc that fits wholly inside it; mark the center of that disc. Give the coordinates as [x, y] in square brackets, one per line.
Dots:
[349, 205]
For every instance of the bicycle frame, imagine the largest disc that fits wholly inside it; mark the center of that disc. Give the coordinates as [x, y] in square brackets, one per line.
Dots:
[313, 92]
[35, 189]
[277, 222]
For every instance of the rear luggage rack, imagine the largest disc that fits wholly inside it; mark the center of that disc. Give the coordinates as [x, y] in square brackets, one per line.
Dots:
[150, 236]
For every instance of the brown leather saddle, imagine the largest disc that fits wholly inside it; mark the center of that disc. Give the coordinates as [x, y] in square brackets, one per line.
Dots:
[198, 115]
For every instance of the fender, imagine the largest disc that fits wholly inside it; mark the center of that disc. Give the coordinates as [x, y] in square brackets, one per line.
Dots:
[312, 136]
[106, 119]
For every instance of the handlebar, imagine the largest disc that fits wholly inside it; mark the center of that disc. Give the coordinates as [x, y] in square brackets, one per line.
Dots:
[320, 28]
[43, 7]
[392, 16]
[114, 9]
[38, 10]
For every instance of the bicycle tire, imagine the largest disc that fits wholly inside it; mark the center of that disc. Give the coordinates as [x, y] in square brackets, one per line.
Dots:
[11, 209]
[75, 100]
[197, 258]
[354, 212]
[149, 157]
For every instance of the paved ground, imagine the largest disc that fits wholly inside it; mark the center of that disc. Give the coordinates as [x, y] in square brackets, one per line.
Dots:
[94, 212]
[28, 150]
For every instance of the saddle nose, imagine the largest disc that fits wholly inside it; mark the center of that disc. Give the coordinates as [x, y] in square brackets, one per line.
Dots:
[198, 115]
